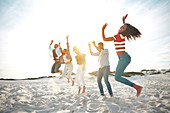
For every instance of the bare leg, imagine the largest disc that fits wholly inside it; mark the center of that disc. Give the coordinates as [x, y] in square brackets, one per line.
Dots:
[72, 82]
[138, 89]
[84, 89]
[79, 90]
[68, 80]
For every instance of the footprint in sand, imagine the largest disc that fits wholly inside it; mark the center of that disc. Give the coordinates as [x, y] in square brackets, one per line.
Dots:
[93, 106]
[113, 107]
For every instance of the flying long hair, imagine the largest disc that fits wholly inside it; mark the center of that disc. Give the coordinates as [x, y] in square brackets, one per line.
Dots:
[130, 32]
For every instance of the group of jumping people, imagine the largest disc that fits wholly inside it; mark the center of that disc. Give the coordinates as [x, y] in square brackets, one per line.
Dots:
[126, 31]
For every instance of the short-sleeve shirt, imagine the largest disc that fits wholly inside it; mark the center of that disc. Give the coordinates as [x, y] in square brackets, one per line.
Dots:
[80, 59]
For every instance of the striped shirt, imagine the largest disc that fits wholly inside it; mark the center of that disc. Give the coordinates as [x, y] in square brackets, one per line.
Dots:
[119, 42]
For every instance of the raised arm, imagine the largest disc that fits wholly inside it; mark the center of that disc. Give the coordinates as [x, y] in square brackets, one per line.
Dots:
[90, 49]
[67, 43]
[59, 45]
[124, 17]
[50, 45]
[96, 46]
[51, 42]
[103, 34]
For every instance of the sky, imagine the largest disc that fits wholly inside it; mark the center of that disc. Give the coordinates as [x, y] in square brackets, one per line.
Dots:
[28, 26]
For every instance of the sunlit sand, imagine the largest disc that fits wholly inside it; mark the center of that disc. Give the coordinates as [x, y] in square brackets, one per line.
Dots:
[56, 95]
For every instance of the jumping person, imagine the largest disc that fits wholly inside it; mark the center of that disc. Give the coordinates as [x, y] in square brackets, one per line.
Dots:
[127, 31]
[56, 56]
[104, 69]
[81, 62]
[68, 63]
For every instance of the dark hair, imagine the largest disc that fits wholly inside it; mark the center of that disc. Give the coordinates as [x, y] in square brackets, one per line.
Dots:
[130, 32]
[65, 50]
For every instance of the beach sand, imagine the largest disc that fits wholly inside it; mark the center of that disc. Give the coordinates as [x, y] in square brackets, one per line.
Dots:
[55, 95]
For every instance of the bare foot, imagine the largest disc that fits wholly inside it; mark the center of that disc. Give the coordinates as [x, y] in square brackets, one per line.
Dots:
[72, 82]
[79, 90]
[68, 80]
[138, 89]
[83, 89]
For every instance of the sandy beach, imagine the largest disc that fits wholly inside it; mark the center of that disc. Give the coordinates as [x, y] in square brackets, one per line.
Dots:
[55, 95]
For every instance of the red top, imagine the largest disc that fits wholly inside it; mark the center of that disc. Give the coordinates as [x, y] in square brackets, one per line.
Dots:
[119, 42]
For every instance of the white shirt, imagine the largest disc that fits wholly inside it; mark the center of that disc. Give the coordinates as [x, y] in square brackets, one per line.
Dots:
[103, 57]
[57, 50]
[65, 59]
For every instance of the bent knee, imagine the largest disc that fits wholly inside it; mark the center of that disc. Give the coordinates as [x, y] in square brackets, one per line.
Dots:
[117, 78]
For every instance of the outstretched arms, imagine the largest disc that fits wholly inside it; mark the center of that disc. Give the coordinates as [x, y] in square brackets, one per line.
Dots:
[103, 34]
[105, 25]
[124, 17]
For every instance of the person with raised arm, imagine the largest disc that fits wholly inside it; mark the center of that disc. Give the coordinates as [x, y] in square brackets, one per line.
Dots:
[81, 62]
[68, 63]
[104, 66]
[126, 31]
[56, 57]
